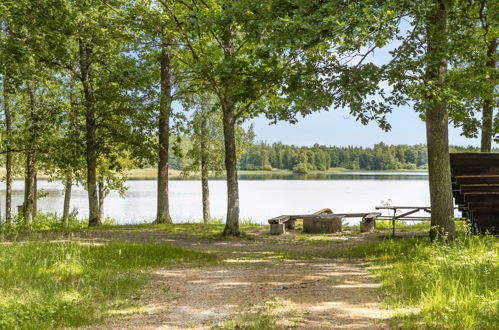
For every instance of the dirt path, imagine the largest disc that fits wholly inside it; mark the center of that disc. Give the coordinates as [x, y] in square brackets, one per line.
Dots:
[315, 293]
[301, 294]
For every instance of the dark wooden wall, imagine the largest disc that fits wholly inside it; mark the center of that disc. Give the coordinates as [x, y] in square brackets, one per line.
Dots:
[475, 185]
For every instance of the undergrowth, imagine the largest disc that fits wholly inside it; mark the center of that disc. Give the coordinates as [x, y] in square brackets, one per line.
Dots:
[43, 221]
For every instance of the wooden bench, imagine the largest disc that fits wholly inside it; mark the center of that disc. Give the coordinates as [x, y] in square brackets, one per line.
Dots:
[475, 187]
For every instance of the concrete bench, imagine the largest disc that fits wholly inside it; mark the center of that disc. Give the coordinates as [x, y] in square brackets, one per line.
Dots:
[323, 221]
[278, 225]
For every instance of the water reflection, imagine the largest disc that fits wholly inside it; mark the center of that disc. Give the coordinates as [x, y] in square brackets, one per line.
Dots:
[261, 196]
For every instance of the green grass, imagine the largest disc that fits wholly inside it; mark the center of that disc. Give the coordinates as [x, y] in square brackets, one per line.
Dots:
[198, 229]
[439, 285]
[404, 225]
[251, 321]
[257, 319]
[53, 285]
[435, 285]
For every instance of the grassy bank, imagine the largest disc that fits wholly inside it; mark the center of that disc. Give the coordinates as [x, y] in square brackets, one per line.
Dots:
[152, 173]
[439, 285]
[52, 285]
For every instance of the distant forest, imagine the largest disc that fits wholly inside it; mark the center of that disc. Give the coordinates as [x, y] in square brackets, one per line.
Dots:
[265, 157]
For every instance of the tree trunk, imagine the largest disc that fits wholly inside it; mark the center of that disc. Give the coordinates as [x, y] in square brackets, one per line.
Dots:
[85, 52]
[488, 108]
[229, 123]
[102, 196]
[8, 160]
[437, 125]
[204, 172]
[232, 219]
[68, 187]
[163, 206]
[29, 188]
[35, 194]
[30, 176]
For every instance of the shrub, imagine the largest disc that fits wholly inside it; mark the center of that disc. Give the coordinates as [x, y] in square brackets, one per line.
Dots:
[267, 168]
[301, 168]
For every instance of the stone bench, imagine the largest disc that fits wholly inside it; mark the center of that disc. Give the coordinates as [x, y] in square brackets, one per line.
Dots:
[278, 225]
[323, 222]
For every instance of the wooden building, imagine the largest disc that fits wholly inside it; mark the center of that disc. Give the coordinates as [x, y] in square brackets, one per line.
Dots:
[475, 185]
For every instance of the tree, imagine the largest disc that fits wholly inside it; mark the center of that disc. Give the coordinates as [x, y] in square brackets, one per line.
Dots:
[206, 153]
[414, 74]
[8, 160]
[113, 88]
[207, 146]
[436, 115]
[159, 44]
[473, 37]
[229, 54]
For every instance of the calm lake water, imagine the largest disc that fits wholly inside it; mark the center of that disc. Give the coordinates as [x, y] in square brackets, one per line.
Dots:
[261, 197]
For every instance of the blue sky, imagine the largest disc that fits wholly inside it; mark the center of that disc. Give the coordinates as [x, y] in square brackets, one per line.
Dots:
[337, 128]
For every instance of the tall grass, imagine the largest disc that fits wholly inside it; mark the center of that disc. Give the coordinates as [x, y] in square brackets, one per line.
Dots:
[52, 285]
[446, 285]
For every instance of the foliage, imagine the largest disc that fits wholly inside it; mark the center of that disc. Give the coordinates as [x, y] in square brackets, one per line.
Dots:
[301, 168]
[54, 285]
[473, 38]
[206, 136]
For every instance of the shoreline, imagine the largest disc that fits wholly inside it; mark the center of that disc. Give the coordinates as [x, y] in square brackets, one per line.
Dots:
[151, 173]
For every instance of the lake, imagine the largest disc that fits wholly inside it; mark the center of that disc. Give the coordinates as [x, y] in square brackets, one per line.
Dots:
[261, 196]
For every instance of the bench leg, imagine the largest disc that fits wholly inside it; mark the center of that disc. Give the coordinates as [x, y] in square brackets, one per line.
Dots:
[277, 228]
[367, 224]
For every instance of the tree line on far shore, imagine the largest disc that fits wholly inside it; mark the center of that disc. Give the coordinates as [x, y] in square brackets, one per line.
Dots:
[263, 156]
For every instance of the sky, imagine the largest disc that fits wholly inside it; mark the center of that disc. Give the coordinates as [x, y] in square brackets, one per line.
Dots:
[337, 128]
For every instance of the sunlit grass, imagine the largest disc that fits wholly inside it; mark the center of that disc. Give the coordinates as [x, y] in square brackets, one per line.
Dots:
[404, 225]
[51, 285]
[212, 230]
[445, 285]
[258, 319]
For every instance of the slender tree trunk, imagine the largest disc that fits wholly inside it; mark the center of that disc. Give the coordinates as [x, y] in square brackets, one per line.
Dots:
[437, 125]
[30, 178]
[163, 206]
[35, 201]
[204, 172]
[229, 123]
[68, 187]
[85, 52]
[488, 105]
[232, 219]
[8, 160]
[102, 196]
